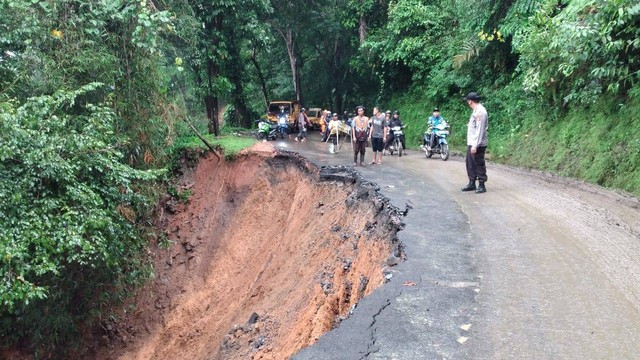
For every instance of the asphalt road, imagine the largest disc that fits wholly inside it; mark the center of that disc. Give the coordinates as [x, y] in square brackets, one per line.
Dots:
[539, 267]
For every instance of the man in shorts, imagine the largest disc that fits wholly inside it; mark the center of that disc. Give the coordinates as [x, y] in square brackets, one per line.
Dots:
[378, 134]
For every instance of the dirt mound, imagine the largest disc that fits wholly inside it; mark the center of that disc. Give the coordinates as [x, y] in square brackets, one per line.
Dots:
[270, 253]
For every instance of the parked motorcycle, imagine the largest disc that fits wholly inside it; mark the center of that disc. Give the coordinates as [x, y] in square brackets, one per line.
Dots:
[396, 143]
[283, 127]
[441, 146]
[266, 130]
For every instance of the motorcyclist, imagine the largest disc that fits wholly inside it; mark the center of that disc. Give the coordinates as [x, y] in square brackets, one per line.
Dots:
[263, 129]
[282, 121]
[395, 121]
[387, 118]
[434, 120]
[350, 119]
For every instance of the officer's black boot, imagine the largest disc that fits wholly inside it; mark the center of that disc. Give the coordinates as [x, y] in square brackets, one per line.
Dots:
[481, 188]
[471, 186]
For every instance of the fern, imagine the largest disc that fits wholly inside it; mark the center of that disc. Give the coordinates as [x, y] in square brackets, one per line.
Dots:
[470, 49]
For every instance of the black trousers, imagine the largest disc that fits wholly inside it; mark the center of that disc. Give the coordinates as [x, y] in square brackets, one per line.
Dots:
[476, 166]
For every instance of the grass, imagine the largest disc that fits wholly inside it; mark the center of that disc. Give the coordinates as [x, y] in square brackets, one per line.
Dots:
[230, 145]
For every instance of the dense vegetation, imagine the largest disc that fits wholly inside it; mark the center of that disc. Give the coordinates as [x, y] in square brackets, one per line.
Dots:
[94, 96]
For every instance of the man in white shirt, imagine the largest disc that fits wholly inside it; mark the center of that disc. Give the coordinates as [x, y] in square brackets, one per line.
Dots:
[477, 141]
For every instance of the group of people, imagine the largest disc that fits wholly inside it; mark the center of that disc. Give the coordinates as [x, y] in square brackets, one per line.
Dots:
[362, 130]
[376, 131]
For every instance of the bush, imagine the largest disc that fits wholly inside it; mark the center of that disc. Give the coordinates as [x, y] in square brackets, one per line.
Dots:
[69, 213]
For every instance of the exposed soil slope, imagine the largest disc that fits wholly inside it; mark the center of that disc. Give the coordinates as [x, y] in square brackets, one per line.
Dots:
[266, 259]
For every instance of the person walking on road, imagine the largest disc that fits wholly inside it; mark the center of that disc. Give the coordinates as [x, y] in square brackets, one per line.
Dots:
[334, 134]
[477, 141]
[378, 134]
[359, 135]
[302, 125]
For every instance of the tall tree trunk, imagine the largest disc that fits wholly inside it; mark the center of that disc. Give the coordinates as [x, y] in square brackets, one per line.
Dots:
[362, 29]
[240, 105]
[213, 70]
[263, 82]
[222, 105]
[293, 60]
[211, 100]
[236, 77]
[333, 77]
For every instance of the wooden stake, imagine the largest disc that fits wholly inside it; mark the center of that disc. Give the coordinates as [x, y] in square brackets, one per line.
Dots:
[215, 152]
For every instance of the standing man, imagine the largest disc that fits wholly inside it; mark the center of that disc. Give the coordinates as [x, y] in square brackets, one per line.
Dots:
[302, 125]
[324, 123]
[477, 141]
[378, 134]
[359, 135]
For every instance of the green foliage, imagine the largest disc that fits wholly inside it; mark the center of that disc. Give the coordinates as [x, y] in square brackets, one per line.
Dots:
[413, 36]
[576, 52]
[415, 111]
[599, 144]
[69, 209]
[49, 46]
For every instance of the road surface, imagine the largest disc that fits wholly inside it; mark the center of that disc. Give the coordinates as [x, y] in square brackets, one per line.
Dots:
[539, 267]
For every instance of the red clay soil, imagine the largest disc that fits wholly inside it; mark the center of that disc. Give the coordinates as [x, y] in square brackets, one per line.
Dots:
[266, 258]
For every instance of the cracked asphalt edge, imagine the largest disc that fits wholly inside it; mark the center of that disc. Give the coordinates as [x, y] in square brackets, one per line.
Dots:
[361, 336]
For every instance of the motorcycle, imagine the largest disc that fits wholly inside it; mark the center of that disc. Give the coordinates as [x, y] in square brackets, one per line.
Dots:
[283, 127]
[266, 130]
[396, 143]
[441, 146]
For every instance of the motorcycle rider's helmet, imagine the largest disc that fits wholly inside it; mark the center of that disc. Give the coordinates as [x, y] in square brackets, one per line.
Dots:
[396, 112]
[388, 112]
[303, 109]
[436, 110]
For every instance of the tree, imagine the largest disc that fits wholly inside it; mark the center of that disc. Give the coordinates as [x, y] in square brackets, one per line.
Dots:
[288, 23]
[70, 214]
[589, 47]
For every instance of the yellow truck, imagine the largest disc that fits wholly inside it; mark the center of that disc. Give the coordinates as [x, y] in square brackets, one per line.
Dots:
[314, 115]
[290, 108]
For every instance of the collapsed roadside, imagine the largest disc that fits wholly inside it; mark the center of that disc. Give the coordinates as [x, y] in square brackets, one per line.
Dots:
[269, 253]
